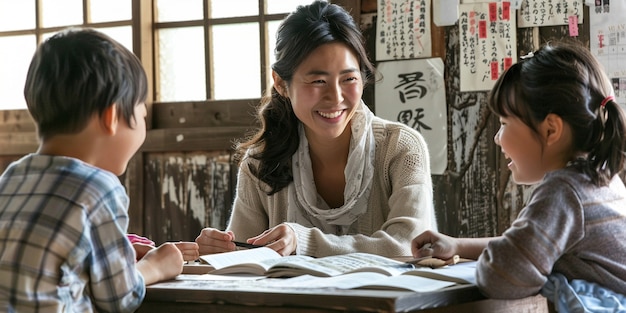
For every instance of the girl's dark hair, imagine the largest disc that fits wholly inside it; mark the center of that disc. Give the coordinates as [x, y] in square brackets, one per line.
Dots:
[80, 72]
[299, 34]
[564, 78]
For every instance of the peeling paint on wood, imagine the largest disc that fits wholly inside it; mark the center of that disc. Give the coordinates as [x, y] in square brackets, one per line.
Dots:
[186, 192]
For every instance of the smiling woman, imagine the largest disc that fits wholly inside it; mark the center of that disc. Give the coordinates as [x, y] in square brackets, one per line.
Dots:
[323, 175]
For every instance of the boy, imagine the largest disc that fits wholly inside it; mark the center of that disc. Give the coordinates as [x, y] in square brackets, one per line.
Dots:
[63, 210]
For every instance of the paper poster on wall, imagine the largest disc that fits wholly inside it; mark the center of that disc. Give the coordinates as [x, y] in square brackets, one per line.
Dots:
[412, 92]
[607, 41]
[488, 43]
[550, 12]
[403, 29]
[515, 4]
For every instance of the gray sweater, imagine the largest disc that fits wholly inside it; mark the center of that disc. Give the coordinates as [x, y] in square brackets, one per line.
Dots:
[569, 226]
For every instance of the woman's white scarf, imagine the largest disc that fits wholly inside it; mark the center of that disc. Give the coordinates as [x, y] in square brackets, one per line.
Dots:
[306, 206]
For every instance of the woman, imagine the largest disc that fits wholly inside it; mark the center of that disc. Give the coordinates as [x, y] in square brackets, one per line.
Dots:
[323, 175]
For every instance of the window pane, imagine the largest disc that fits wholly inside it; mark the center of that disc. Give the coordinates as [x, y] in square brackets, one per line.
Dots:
[181, 64]
[272, 28]
[225, 8]
[61, 12]
[236, 63]
[122, 34]
[16, 15]
[177, 10]
[110, 10]
[282, 6]
[17, 51]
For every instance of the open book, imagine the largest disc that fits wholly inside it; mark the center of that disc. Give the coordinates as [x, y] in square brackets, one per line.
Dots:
[267, 262]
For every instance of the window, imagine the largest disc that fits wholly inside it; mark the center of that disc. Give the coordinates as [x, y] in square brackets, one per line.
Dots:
[21, 31]
[203, 49]
[216, 49]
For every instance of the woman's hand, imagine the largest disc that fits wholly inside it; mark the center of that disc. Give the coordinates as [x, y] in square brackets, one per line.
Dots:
[212, 241]
[280, 238]
[190, 250]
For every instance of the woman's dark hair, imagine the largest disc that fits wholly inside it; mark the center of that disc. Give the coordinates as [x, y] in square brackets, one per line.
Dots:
[80, 72]
[565, 79]
[299, 34]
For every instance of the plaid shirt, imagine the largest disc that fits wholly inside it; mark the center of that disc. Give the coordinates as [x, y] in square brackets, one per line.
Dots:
[63, 245]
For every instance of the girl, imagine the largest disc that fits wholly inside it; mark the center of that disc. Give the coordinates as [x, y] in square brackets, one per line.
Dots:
[561, 128]
[323, 175]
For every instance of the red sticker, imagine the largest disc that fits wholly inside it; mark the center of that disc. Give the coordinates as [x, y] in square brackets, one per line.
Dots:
[573, 25]
[506, 10]
[482, 29]
[494, 70]
[493, 12]
[507, 63]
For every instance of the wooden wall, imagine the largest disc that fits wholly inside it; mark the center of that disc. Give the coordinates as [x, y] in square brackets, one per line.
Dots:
[183, 178]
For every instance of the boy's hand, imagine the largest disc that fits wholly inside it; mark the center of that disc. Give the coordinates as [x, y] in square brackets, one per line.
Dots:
[141, 249]
[162, 263]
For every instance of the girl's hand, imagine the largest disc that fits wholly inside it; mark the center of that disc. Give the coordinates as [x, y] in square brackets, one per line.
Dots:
[212, 241]
[280, 238]
[430, 243]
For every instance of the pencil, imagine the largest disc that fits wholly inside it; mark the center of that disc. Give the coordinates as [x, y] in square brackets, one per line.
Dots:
[246, 245]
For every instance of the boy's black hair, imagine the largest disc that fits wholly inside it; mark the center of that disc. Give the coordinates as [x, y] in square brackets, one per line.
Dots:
[80, 72]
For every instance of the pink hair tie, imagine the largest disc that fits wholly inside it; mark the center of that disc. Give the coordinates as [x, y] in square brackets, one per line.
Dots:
[606, 100]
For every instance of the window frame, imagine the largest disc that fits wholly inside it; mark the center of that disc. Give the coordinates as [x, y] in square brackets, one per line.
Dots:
[167, 122]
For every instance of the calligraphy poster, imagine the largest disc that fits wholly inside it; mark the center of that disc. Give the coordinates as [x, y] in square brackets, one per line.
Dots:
[608, 42]
[515, 4]
[403, 29]
[550, 12]
[488, 43]
[412, 92]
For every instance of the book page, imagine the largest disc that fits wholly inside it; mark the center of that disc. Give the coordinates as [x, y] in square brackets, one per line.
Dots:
[260, 267]
[412, 283]
[463, 273]
[340, 264]
[250, 261]
[221, 260]
[366, 280]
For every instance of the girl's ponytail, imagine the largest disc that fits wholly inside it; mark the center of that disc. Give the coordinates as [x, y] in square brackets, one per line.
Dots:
[606, 157]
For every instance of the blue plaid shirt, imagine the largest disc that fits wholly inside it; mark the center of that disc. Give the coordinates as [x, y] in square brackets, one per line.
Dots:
[63, 245]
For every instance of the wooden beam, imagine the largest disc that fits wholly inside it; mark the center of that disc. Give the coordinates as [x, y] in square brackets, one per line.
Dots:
[193, 139]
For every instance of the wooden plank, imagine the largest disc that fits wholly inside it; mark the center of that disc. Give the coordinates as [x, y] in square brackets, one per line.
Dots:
[190, 296]
[143, 37]
[192, 139]
[222, 113]
[18, 135]
[536, 304]
[18, 143]
[185, 192]
[133, 180]
[16, 121]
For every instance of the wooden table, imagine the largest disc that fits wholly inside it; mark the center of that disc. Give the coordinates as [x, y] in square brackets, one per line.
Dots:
[207, 296]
